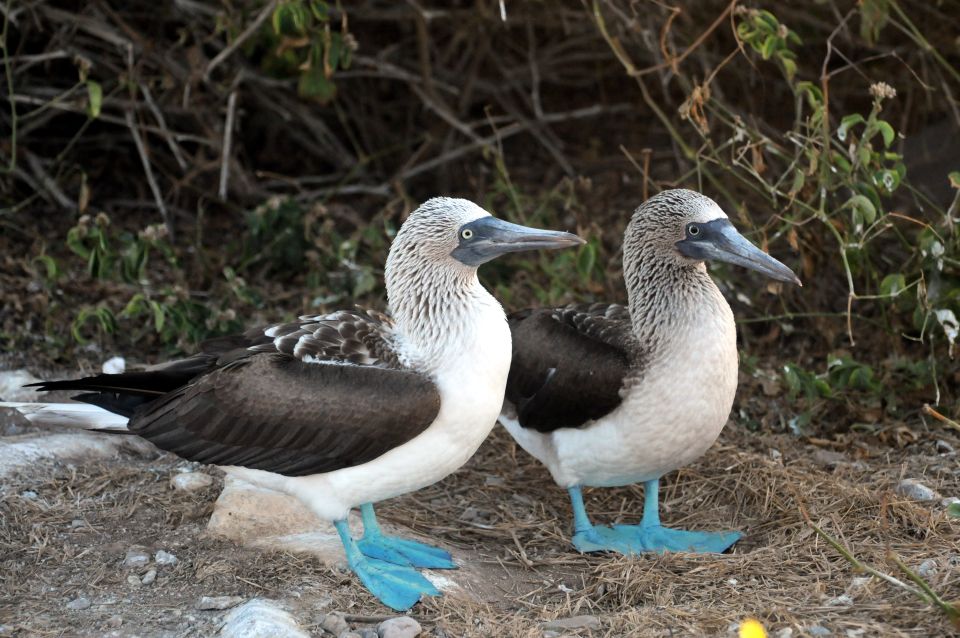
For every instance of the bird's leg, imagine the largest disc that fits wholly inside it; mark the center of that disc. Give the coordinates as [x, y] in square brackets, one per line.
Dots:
[653, 537]
[396, 586]
[399, 551]
[588, 537]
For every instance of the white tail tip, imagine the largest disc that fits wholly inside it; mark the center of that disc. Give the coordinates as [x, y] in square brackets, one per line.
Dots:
[79, 415]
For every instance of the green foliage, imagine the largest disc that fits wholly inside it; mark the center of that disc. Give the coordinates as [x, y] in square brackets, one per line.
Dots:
[300, 43]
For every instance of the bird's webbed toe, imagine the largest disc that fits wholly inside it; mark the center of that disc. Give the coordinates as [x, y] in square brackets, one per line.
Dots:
[402, 551]
[396, 586]
[599, 538]
[658, 539]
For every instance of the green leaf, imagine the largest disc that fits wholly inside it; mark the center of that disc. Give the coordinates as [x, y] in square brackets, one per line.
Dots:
[849, 120]
[586, 260]
[954, 178]
[893, 284]
[159, 315]
[314, 84]
[94, 98]
[862, 205]
[50, 265]
[953, 510]
[789, 67]
[768, 47]
[887, 132]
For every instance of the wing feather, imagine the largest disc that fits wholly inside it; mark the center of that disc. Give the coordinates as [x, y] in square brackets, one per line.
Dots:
[569, 364]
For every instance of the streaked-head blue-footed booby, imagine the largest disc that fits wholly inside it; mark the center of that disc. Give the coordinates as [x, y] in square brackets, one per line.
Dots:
[350, 408]
[606, 395]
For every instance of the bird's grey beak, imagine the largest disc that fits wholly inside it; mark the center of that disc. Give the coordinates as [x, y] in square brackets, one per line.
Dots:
[488, 237]
[718, 240]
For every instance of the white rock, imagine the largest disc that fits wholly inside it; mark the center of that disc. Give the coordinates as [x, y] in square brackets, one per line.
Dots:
[136, 557]
[843, 600]
[261, 618]
[573, 623]
[114, 365]
[149, 577]
[785, 632]
[399, 627]
[79, 604]
[26, 452]
[944, 447]
[210, 603]
[11, 386]
[915, 490]
[927, 568]
[133, 580]
[191, 481]
[334, 624]
[165, 558]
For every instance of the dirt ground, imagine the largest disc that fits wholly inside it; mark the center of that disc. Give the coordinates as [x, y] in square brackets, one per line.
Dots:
[65, 530]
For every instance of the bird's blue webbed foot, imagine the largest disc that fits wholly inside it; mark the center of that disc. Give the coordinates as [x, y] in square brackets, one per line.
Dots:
[396, 586]
[648, 536]
[399, 551]
[600, 538]
[659, 539]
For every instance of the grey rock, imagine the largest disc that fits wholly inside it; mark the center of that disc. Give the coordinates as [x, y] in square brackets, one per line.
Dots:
[133, 580]
[944, 447]
[334, 623]
[165, 558]
[367, 632]
[843, 600]
[190, 481]
[114, 621]
[149, 577]
[136, 557]
[575, 622]
[817, 630]
[11, 386]
[916, 490]
[551, 634]
[494, 481]
[211, 603]
[29, 495]
[785, 632]
[349, 634]
[79, 604]
[927, 568]
[399, 627]
[261, 618]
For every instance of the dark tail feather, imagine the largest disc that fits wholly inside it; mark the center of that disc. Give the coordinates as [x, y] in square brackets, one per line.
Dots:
[119, 393]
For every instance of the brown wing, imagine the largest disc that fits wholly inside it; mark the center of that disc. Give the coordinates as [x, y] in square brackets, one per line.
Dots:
[569, 364]
[273, 412]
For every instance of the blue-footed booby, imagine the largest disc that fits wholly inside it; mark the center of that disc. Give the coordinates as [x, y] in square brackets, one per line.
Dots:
[606, 395]
[347, 409]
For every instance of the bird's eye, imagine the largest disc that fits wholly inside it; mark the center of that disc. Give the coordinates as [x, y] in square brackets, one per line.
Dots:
[693, 230]
[466, 233]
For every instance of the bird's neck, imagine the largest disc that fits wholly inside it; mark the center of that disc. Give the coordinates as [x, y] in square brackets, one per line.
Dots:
[667, 298]
[440, 316]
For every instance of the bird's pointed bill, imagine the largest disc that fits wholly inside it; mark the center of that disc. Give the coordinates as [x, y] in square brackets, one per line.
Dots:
[718, 240]
[488, 237]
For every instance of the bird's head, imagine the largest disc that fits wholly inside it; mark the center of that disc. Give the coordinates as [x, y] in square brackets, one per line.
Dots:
[688, 228]
[456, 234]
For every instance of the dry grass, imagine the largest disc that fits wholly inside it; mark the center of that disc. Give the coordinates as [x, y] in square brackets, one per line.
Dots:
[505, 513]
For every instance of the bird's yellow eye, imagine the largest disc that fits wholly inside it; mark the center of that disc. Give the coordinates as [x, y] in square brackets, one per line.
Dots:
[466, 233]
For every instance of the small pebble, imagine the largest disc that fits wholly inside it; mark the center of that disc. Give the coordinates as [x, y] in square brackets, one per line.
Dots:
[136, 557]
[494, 481]
[818, 630]
[334, 624]
[843, 600]
[29, 495]
[165, 558]
[114, 365]
[943, 447]
[785, 632]
[114, 621]
[551, 634]
[399, 627]
[77, 522]
[575, 622]
[367, 632]
[191, 481]
[915, 490]
[261, 618]
[79, 604]
[211, 603]
[133, 580]
[349, 634]
[927, 568]
[149, 577]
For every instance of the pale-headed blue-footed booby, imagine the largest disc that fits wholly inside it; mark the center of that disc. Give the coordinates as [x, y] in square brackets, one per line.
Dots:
[350, 408]
[606, 395]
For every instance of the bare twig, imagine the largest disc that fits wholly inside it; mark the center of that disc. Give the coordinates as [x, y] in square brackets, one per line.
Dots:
[162, 123]
[148, 171]
[227, 145]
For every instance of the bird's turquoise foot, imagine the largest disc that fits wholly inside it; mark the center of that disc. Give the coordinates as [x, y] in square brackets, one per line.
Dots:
[659, 539]
[599, 538]
[396, 586]
[401, 551]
